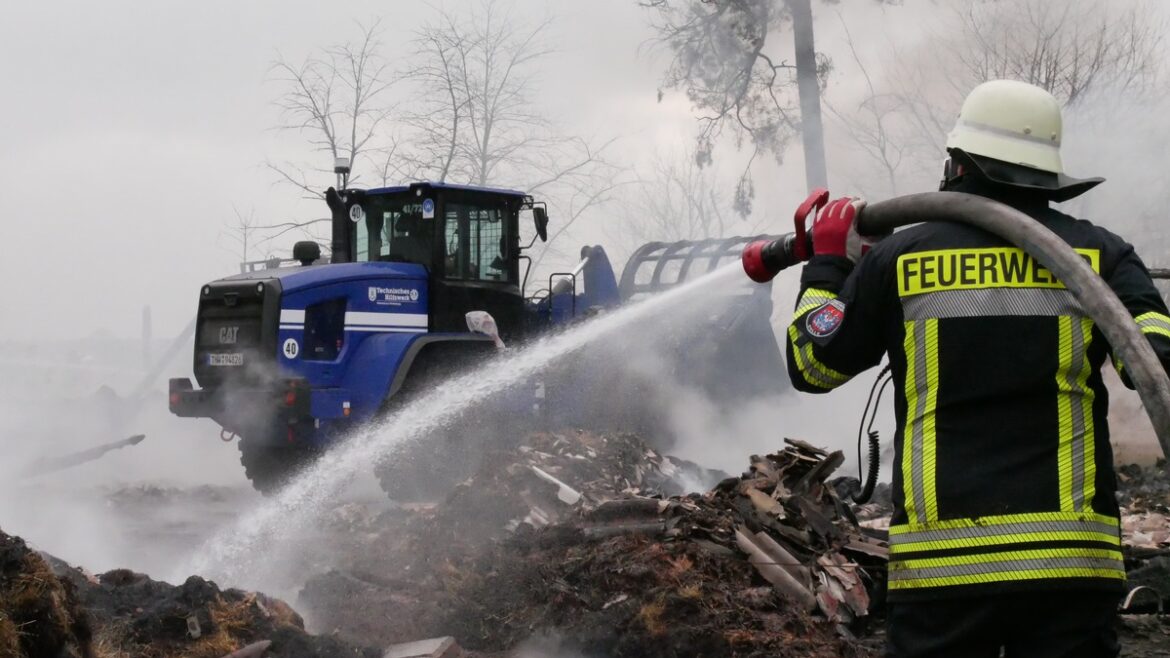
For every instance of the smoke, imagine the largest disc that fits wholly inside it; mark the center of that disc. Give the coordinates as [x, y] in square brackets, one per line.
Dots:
[1121, 137]
[895, 97]
[141, 506]
[134, 507]
[696, 399]
[723, 437]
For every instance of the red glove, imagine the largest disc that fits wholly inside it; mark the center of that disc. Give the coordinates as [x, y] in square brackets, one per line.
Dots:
[835, 231]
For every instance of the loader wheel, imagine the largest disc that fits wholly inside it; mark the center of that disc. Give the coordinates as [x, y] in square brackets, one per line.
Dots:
[427, 468]
[269, 466]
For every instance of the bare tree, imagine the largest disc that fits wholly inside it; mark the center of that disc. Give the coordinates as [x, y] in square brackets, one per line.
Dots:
[588, 184]
[1072, 48]
[435, 117]
[477, 119]
[678, 200]
[304, 228]
[871, 127]
[240, 234]
[1065, 47]
[473, 116]
[731, 60]
[244, 237]
[489, 86]
[722, 63]
[337, 99]
[675, 199]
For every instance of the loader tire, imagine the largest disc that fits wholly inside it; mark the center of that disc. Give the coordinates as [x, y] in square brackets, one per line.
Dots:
[269, 467]
[428, 468]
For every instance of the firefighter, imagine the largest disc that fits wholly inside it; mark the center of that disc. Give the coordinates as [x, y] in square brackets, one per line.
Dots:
[1005, 534]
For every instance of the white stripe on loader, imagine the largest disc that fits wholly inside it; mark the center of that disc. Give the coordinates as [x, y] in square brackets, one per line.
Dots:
[413, 320]
[389, 330]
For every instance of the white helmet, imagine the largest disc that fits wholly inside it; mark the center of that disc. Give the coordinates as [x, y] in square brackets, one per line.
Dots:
[1019, 126]
[1011, 121]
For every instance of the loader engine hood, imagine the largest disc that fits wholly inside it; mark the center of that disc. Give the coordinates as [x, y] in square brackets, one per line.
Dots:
[252, 329]
[298, 278]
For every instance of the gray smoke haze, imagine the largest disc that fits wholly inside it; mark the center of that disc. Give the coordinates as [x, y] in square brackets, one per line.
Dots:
[904, 82]
[136, 136]
[128, 507]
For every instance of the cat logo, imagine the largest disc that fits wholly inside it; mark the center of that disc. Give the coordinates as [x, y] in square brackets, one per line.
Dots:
[228, 335]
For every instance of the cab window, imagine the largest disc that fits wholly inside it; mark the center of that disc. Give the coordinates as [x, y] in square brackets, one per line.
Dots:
[393, 229]
[475, 243]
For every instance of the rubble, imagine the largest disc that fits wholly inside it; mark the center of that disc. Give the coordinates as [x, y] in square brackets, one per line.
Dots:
[1144, 487]
[580, 543]
[603, 550]
[48, 608]
[402, 565]
[1144, 496]
[39, 614]
[439, 647]
[1146, 530]
[1145, 636]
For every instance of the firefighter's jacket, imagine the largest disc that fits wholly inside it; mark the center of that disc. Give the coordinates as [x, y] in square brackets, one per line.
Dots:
[1003, 476]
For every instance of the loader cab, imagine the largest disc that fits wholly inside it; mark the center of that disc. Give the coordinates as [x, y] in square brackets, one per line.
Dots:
[467, 238]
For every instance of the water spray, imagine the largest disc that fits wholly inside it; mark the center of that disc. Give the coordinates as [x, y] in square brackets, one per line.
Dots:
[239, 553]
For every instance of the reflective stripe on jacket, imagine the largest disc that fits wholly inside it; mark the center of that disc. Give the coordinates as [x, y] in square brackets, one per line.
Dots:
[1003, 473]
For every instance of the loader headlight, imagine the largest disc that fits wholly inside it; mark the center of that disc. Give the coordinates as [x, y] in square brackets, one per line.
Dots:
[260, 288]
[206, 290]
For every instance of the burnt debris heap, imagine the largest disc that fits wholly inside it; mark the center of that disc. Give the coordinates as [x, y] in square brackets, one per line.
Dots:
[589, 539]
[562, 543]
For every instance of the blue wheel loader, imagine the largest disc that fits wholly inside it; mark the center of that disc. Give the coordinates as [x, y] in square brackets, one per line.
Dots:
[291, 359]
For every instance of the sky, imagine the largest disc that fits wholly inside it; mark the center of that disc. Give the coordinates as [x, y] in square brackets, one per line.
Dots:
[135, 131]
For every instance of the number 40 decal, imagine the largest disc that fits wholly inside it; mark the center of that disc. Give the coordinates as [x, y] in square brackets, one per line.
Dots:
[291, 348]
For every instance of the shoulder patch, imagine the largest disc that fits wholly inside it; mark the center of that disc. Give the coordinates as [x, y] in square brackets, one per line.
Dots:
[826, 320]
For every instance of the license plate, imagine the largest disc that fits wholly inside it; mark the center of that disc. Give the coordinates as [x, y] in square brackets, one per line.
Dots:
[234, 359]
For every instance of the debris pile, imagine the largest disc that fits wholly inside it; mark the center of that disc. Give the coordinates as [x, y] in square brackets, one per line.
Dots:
[39, 614]
[575, 536]
[570, 543]
[1145, 636]
[554, 473]
[399, 567]
[767, 564]
[874, 513]
[1144, 495]
[48, 608]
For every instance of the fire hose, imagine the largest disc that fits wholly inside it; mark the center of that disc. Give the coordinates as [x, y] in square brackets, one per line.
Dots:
[1096, 298]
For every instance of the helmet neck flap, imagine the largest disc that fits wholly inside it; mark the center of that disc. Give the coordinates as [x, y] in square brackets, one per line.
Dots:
[975, 174]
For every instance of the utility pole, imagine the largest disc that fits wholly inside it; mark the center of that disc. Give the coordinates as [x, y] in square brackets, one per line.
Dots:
[812, 128]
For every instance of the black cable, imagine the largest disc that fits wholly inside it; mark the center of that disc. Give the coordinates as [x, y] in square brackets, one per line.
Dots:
[867, 485]
[865, 414]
